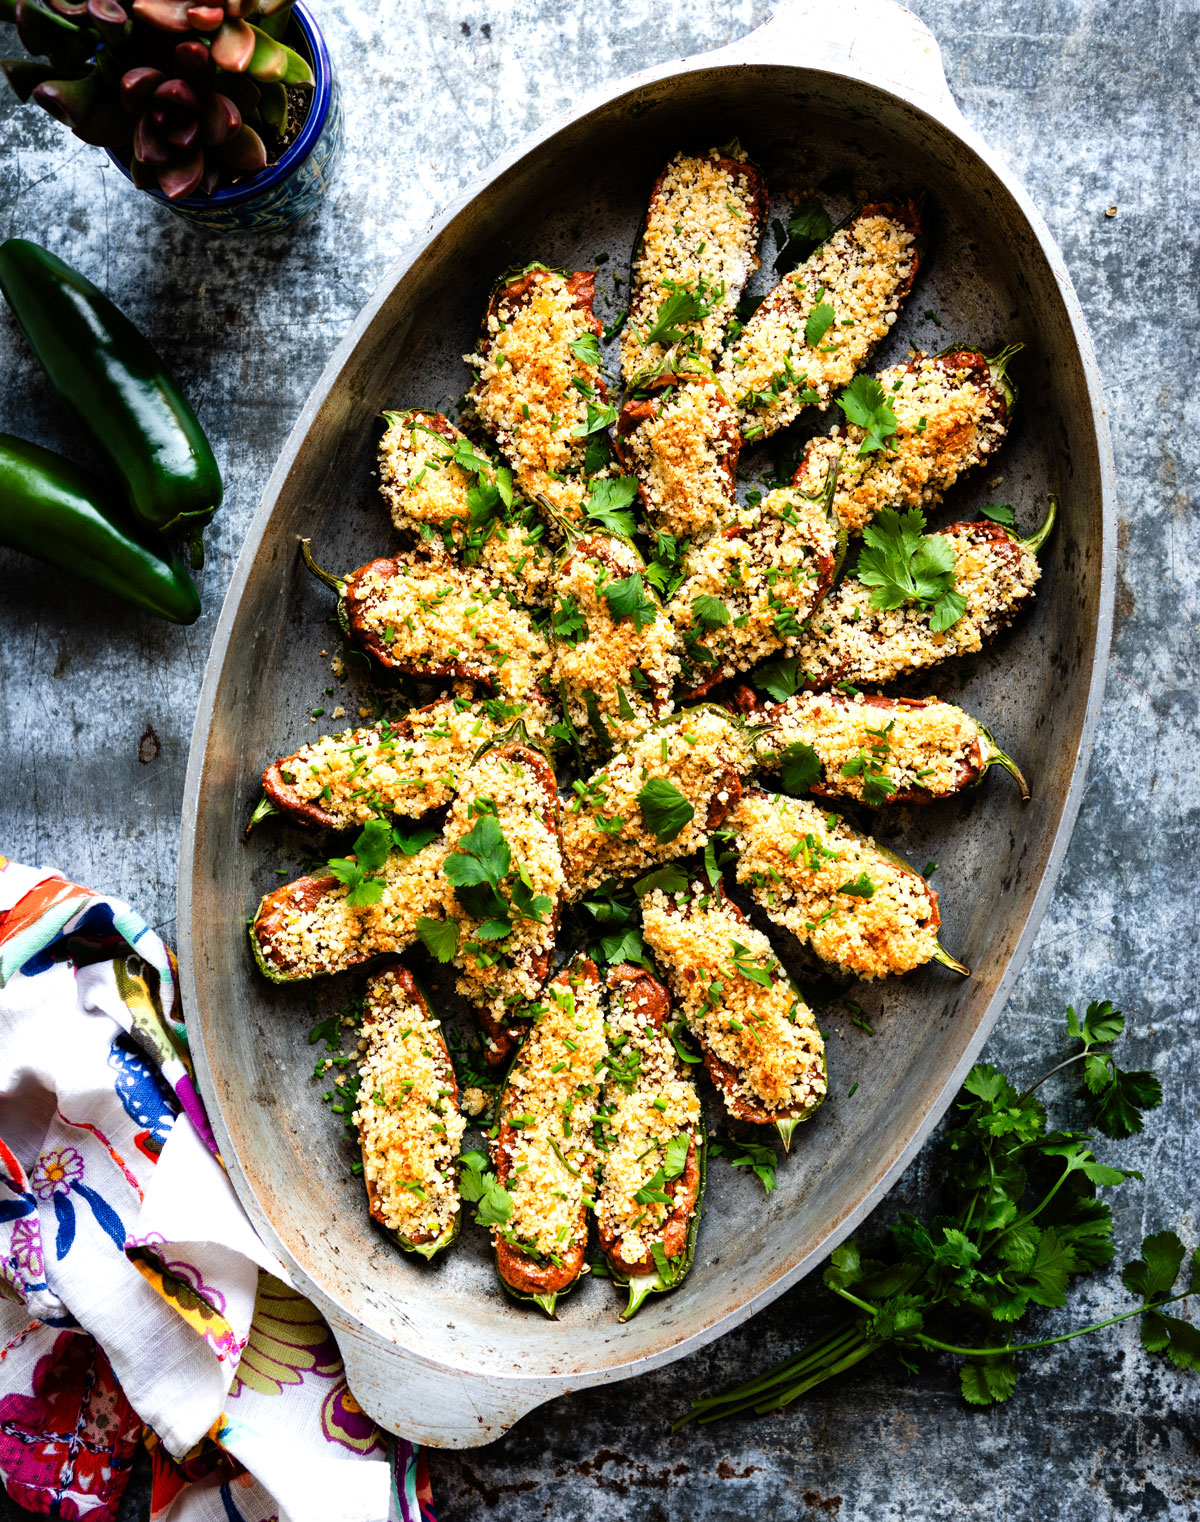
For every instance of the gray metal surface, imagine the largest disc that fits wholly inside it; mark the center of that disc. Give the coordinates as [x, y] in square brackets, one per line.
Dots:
[1090, 107]
[445, 1355]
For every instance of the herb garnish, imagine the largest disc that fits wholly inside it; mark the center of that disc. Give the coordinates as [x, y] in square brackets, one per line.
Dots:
[1024, 1218]
[756, 1156]
[608, 504]
[372, 848]
[478, 867]
[904, 564]
[478, 1183]
[684, 304]
[665, 811]
[865, 402]
[801, 767]
[999, 512]
[627, 599]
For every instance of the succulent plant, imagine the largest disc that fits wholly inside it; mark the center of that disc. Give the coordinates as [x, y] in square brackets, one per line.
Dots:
[193, 95]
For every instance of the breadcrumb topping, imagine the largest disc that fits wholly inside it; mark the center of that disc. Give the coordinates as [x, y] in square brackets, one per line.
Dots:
[767, 570]
[861, 272]
[430, 614]
[950, 417]
[648, 1102]
[859, 908]
[431, 496]
[547, 1114]
[700, 752]
[685, 457]
[703, 223]
[618, 668]
[852, 641]
[407, 1118]
[761, 1032]
[927, 745]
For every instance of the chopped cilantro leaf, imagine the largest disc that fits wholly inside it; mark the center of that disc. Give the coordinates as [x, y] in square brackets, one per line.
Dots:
[865, 403]
[665, 811]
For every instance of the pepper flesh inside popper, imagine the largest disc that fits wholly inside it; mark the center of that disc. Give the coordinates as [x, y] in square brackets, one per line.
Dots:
[459, 504]
[544, 1151]
[951, 413]
[760, 1041]
[823, 321]
[409, 1127]
[853, 641]
[872, 749]
[859, 907]
[426, 618]
[652, 1142]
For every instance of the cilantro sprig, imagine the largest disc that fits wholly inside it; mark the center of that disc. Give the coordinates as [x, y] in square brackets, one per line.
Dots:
[757, 1156]
[488, 886]
[1024, 1218]
[479, 1186]
[902, 563]
[608, 504]
[362, 872]
[684, 306]
[865, 402]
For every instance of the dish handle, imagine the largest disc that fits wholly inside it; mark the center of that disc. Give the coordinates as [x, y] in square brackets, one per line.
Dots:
[877, 41]
[441, 1407]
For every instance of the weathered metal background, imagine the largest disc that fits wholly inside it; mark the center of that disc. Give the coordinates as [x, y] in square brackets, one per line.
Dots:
[1094, 107]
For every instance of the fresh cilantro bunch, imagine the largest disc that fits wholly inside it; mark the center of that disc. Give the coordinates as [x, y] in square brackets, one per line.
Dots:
[905, 564]
[361, 873]
[1025, 1217]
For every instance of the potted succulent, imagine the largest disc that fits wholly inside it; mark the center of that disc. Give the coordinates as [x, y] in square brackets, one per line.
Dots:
[226, 110]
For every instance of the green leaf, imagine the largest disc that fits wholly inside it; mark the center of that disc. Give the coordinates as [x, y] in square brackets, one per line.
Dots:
[373, 844]
[779, 679]
[988, 1381]
[608, 503]
[897, 1318]
[600, 415]
[1119, 1110]
[1180, 1338]
[466, 457]
[844, 1269]
[586, 348]
[1102, 1023]
[329, 1031]
[623, 946]
[858, 887]
[756, 1156]
[1044, 1279]
[627, 599]
[866, 404]
[684, 306]
[999, 512]
[801, 767]
[676, 1156]
[1155, 1272]
[947, 611]
[901, 563]
[820, 320]
[481, 856]
[412, 841]
[439, 937]
[709, 612]
[477, 1182]
[567, 623]
[670, 879]
[665, 811]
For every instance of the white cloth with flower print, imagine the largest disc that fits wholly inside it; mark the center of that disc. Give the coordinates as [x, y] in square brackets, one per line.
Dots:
[117, 1217]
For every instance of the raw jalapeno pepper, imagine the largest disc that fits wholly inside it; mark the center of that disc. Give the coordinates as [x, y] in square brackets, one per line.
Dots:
[651, 1135]
[59, 514]
[117, 392]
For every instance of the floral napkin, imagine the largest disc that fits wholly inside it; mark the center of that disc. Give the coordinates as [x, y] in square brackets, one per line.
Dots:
[136, 1302]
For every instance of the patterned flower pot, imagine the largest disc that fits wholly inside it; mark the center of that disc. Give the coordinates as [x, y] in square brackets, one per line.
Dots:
[295, 184]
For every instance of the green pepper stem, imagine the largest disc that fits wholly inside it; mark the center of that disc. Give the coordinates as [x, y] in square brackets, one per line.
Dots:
[335, 583]
[1038, 538]
[786, 1128]
[640, 1285]
[994, 756]
[547, 1301]
[998, 364]
[264, 809]
[196, 548]
[943, 956]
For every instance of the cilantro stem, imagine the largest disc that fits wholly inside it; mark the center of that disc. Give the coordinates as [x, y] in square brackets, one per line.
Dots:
[863, 1305]
[1078, 1057]
[1046, 1342]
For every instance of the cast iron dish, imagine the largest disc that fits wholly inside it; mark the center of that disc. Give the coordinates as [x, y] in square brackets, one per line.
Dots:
[826, 89]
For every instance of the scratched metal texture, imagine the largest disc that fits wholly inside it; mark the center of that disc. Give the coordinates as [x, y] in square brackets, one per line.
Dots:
[1094, 107]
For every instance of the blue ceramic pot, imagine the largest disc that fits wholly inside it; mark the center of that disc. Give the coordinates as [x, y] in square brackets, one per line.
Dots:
[292, 187]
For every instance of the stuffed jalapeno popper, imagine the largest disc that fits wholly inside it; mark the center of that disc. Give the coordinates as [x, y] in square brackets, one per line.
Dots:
[748, 590]
[657, 799]
[459, 504]
[697, 248]
[855, 640]
[429, 618]
[650, 1132]
[615, 651]
[319, 925]
[872, 749]
[860, 908]
[760, 1041]
[679, 436]
[948, 414]
[544, 1152]
[538, 389]
[404, 766]
[409, 1127]
[823, 321]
